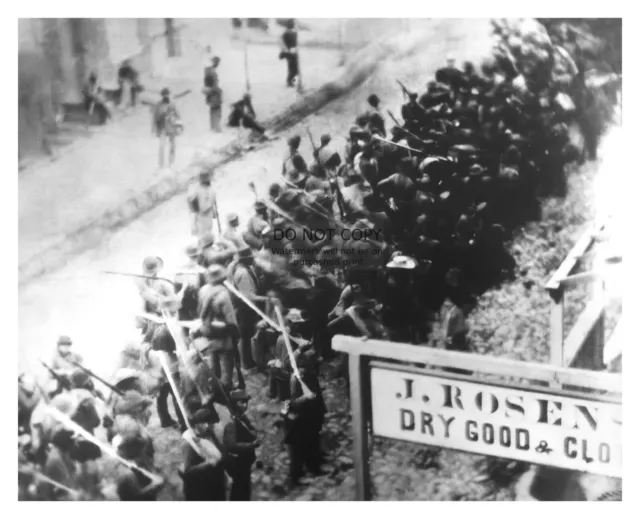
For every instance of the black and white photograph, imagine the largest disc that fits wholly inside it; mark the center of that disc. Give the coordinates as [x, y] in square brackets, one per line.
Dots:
[320, 259]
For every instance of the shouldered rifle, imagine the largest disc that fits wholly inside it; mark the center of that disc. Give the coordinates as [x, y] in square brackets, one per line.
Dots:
[405, 90]
[215, 208]
[99, 379]
[128, 274]
[313, 144]
[62, 381]
[378, 138]
[403, 129]
[104, 447]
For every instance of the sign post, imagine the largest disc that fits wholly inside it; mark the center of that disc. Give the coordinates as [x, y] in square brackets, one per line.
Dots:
[359, 395]
[546, 415]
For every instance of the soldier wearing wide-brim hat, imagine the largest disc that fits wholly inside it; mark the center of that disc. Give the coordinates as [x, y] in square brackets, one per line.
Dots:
[128, 379]
[153, 290]
[131, 484]
[63, 363]
[243, 276]
[219, 324]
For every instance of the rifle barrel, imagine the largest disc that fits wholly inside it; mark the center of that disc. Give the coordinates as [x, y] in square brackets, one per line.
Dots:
[98, 378]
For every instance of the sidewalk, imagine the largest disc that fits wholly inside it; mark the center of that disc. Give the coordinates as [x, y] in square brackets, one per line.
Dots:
[117, 164]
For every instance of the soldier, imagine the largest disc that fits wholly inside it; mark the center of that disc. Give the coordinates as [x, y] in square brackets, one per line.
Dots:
[131, 412]
[455, 325]
[359, 136]
[219, 324]
[298, 175]
[402, 311]
[214, 252]
[94, 99]
[133, 485]
[129, 77]
[360, 319]
[290, 52]
[376, 120]
[189, 279]
[257, 226]
[240, 442]
[303, 422]
[280, 368]
[60, 466]
[62, 362]
[202, 205]
[243, 114]
[166, 125]
[243, 276]
[328, 156]
[287, 165]
[213, 94]
[28, 399]
[233, 233]
[154, 290]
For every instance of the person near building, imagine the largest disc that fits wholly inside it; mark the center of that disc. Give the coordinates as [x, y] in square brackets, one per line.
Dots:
[152, 289]
[128, 83]
[213, 95]
[289, 52]
[94, 99]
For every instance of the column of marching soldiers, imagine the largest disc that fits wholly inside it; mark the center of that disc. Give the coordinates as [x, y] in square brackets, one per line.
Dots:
[444, 189]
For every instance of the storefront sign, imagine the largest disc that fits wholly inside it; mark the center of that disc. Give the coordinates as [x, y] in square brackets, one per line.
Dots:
[536, 427]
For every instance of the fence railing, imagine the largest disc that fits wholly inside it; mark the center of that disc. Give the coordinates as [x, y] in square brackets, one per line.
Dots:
[584, 344]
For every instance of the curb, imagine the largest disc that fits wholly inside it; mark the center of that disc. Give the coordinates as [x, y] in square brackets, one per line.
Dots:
[363, 64]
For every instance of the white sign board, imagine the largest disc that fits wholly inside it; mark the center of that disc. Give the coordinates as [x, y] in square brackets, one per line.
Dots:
[560, 431]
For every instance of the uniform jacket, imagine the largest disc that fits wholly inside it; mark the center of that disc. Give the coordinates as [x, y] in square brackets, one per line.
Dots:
[212, 84]
[216, 305]
[165, 115]
[151, 290]
[63, 364]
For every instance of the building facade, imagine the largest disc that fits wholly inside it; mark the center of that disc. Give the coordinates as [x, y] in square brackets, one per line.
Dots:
[56, 56]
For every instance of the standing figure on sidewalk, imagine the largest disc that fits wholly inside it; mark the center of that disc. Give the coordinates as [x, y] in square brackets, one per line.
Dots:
[128, 83]
[290, 52]
[213, 94]
[166, 126]
[202, 205]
